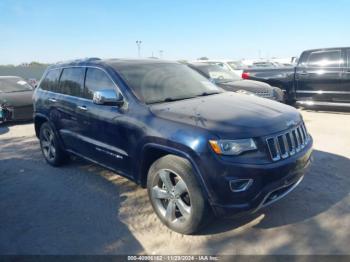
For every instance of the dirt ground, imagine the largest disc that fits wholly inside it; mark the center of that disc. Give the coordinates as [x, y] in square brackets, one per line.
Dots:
[83, 209]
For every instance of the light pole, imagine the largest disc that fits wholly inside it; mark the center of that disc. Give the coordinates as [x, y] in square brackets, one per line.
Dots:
[138, 43]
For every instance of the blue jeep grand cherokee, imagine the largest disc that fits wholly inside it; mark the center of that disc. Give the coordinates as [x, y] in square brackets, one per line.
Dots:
[197, 148]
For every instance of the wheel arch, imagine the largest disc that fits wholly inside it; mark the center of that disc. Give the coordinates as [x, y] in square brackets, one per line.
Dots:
[152, 152]
[39, 119]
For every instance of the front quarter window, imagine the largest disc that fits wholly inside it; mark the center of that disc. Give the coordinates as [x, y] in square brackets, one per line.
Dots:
[96, 80]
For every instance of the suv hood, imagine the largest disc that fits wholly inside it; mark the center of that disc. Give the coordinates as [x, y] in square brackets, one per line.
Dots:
[248, 85]
[230, 115]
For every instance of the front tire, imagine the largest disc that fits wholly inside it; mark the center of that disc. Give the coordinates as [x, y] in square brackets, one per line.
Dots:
[50, 147]
[176, 196]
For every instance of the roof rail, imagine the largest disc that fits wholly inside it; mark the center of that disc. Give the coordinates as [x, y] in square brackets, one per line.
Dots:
[92, 59]
[87, 59]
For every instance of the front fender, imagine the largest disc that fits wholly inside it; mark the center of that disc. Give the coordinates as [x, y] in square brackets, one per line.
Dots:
[178, 150]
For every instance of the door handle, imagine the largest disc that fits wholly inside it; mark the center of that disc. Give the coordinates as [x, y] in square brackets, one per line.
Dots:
[53, 100]
[83, 108]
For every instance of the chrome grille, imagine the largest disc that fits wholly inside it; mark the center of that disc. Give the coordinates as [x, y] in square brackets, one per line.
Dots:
[264, 93]
[287, 144]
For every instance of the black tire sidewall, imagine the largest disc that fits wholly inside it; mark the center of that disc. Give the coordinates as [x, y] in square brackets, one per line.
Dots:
[60, 155]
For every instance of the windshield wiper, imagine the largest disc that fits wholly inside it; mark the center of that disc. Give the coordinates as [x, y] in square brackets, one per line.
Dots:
[225, 81]
[170, 99]
[208, 93]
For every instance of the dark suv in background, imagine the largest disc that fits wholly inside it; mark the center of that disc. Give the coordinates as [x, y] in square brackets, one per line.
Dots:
[232, 82]
[197, 148]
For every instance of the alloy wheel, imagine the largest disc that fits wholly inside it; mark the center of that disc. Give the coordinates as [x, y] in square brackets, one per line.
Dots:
[171, 197]
[48, 144]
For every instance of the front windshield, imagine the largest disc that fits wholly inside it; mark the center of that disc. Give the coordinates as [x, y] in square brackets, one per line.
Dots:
[165, 82]
[13, 84]
[218, 74]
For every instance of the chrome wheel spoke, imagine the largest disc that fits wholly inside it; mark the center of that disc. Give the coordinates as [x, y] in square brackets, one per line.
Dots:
[48, 144]
[45, 144]
[170, 211]
[184, 209]
[53, 150]
[170, 197]
[165, 177]
[160, 193]
[180, 187]
[46, 135]
[51, 138]
[46, 152]
[49, 153]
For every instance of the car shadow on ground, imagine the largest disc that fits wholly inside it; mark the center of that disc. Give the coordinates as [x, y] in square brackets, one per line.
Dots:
[47, 210]
[325, 184]
[3, 129]
[79, 209]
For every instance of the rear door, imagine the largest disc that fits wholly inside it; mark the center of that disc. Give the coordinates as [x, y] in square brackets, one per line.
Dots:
[46, 102]
[319, 76]
[70, 93]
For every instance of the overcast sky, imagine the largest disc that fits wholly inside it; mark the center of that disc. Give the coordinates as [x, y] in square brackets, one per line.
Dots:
[49, 31]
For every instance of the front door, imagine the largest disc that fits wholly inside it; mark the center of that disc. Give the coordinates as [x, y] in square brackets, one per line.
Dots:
[319, 77]
[103, 128]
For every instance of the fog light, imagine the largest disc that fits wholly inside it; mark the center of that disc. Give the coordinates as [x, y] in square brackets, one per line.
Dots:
[240, 185]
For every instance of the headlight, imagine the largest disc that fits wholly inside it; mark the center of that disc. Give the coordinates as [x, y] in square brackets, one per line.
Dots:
[232, 147]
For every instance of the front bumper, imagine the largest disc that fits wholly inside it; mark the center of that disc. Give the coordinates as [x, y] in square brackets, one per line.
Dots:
[271, 183]
[5, 114]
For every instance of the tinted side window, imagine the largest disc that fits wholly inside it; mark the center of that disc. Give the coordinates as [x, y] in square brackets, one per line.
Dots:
[72, 81]
[348, 55]
[50, 82]
[96, 80]
[330, 58]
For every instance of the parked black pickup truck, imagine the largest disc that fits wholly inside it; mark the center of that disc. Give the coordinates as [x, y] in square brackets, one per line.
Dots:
[321, 77]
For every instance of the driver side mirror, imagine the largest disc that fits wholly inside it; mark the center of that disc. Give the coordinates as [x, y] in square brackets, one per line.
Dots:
[108, 97]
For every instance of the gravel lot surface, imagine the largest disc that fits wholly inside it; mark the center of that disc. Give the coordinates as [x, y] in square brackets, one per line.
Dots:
[83, 209]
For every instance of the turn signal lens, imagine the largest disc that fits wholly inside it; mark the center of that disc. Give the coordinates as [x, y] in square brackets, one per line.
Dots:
[215, 146]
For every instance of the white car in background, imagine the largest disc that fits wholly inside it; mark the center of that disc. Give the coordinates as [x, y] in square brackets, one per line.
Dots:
[230, 65]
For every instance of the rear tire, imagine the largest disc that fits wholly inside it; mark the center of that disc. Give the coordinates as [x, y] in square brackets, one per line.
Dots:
[176, 196]
[50, 147]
